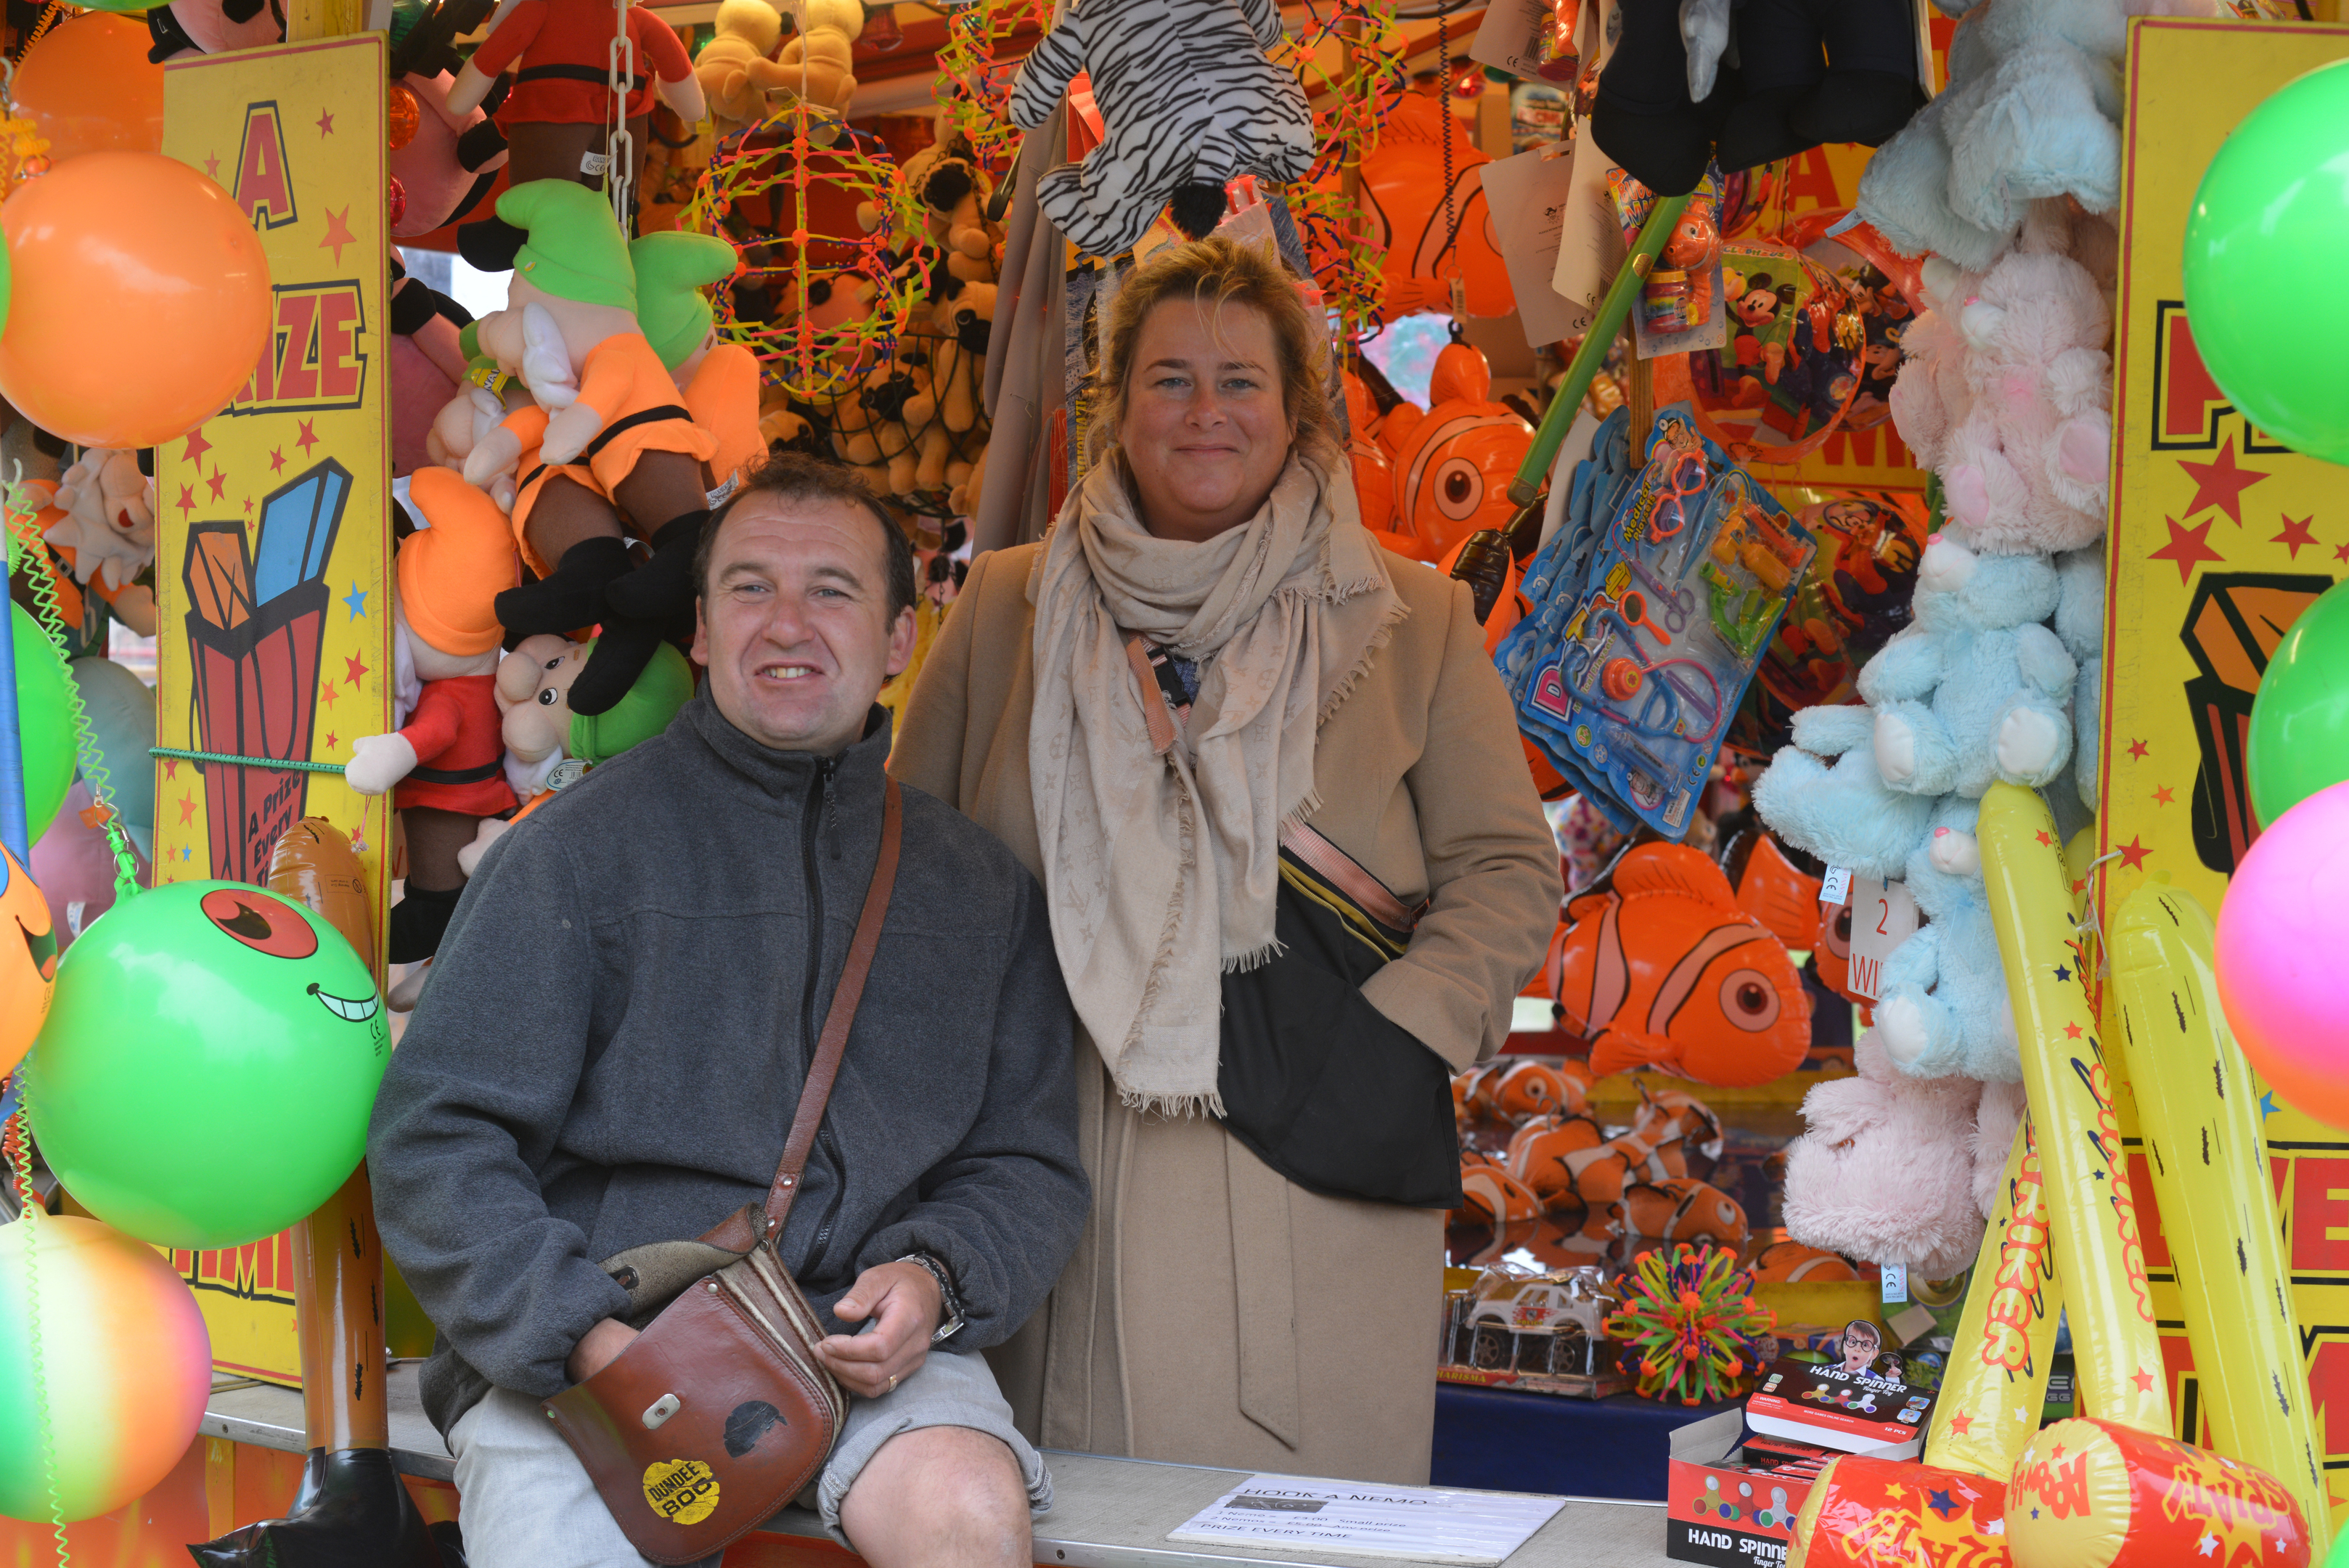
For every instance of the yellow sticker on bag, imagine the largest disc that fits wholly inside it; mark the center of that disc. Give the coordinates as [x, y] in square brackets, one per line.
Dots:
[683, 1492]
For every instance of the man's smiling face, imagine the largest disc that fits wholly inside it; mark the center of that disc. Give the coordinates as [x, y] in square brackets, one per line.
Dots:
[794, 621]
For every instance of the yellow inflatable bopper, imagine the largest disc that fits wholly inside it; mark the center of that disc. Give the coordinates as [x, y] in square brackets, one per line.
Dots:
[2091, 1494]
[2099, 1257]
[1996, 1384]
[2198, 1110]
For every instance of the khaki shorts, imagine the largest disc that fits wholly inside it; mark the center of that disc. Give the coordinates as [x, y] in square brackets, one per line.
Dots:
[524, 1501]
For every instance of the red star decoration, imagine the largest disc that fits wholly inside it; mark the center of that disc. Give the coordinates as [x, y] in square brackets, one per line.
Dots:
[197, 447]
[326, 693]
[2136, 750]
[187, 501]
[276, 459]
[2188, 547]
[354, 671]
[211, 165]
[2044, 838]
[325, 124]
[2220, 483]
[2071, 1032]
[2341, 552]
[219, 482]
[2296, 533]
[248, 506]
[2162, 795]
[2133, 853]
[309, 438]
[2143, 1379]
[187, 809]
[331, 742]
[338, 233]
[1961, 1424]
[170, 767]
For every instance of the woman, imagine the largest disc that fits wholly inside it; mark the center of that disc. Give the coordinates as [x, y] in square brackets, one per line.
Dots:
[1216, 1312]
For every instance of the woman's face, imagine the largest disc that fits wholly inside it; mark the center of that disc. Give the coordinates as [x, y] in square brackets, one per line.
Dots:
[1206, 428]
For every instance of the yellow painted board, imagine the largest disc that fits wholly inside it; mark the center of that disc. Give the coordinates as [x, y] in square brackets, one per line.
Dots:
[272, 537]
[2219, 537]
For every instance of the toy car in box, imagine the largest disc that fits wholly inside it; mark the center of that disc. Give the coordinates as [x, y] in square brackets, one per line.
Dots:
[1516, 1329]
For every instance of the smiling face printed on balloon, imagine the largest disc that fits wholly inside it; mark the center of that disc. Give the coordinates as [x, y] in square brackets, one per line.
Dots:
[266, 924]
[28, 959]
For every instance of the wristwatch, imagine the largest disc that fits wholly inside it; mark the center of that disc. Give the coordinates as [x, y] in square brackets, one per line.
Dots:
[948, 1298]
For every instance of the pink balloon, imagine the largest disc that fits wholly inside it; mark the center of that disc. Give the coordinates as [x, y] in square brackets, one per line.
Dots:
[2283, 930]
[75, 868]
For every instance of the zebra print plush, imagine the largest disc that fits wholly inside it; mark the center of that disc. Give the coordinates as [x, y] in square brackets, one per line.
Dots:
[1186, 97]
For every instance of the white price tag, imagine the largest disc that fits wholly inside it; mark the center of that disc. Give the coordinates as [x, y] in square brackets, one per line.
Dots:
[1883, 915]
[1511, 37]
[1590, 241]
[1896, 1281]
[1526, 198]
[1836, 886]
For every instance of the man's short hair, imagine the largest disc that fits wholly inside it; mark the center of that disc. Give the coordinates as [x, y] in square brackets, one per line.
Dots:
[796, 476]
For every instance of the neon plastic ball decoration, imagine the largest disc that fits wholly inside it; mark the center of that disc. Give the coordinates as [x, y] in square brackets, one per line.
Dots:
[2277, 189]
[45, 729]
[124, 1361]
[88, 87]
[2282, 933]
[140, 299]
[209, 1062]
[2299, 740]
[28, 962]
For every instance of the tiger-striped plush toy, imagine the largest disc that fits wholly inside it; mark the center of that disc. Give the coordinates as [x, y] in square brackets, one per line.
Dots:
[1188, 101]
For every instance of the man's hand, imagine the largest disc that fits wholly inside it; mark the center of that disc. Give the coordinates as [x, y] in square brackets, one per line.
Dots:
[902, 1299]
[598, 1348]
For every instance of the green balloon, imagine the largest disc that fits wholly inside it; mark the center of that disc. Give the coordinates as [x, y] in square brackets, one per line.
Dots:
[45, 732]
[2276, 195]
[209, 1062]
[2299, 741]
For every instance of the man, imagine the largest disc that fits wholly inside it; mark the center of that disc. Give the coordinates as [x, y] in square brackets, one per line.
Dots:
[616, 1035]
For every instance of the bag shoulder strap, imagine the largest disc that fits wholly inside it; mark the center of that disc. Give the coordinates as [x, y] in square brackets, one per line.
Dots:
[834, 1041]
[1153, 673]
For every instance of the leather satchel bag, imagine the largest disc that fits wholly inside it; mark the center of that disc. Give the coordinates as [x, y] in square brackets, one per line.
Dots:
[719, 1412]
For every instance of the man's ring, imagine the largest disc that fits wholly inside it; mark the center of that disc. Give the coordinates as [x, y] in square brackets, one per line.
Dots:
[892, 1383]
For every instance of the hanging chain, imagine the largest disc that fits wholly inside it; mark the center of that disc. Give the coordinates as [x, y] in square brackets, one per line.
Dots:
[619, 147]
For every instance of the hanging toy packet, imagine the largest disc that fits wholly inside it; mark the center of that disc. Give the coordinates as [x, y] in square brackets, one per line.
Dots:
[1681, 302]
[1696, 568]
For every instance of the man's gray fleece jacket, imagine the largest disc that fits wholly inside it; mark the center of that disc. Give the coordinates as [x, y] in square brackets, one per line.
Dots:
[621, 1017]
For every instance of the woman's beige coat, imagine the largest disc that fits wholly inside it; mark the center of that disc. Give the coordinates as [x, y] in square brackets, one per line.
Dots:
[1214, 1313]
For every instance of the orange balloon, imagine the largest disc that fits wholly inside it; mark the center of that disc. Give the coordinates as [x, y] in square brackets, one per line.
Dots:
[88, 87]
[140, 299]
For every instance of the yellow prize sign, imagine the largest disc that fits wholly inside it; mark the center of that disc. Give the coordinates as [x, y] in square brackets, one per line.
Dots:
[2219, 539]
[273, 544]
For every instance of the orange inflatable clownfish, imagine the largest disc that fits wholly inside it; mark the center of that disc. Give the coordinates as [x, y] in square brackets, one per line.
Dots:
[1658, 967]
[1454, 463]
[1373, 470]
[1428, 241]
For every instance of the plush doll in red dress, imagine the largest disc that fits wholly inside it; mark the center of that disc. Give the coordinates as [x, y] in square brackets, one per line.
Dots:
[446, 763]
[555, 118]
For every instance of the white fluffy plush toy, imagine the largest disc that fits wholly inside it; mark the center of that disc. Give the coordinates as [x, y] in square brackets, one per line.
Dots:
[1187, 100]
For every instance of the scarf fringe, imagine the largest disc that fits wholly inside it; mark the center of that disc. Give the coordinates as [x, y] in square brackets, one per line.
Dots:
[1379, 638]
[1173, 1105]
[1256, 960]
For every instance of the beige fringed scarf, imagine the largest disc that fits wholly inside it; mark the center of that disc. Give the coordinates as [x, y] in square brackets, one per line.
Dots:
[1284, 613]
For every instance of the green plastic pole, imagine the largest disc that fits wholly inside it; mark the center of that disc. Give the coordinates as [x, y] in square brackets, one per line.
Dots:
[1525, 489]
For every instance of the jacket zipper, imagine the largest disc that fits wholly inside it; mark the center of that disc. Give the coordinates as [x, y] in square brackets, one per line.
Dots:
[819, 806]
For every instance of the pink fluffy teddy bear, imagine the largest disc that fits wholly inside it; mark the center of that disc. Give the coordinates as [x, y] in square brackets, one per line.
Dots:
[2008, 395]
[1891, 1169]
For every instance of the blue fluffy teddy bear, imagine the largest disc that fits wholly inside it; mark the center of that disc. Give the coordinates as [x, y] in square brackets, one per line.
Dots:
[1975, 690]
[1941, 1006]
[1841, 813]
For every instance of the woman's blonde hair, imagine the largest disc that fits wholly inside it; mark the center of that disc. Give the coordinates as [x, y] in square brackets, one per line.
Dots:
[1223, 272]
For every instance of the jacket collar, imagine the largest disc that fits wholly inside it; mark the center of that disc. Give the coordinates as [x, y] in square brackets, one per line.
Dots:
[786, 776]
